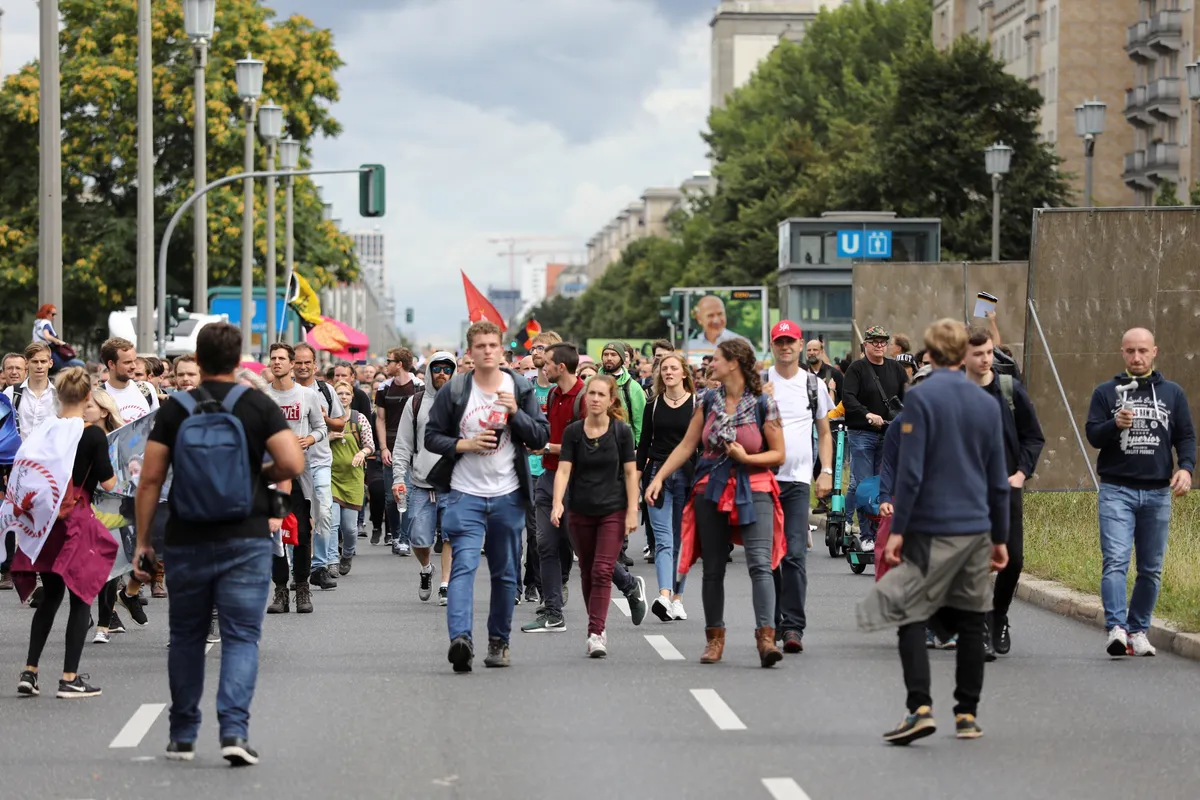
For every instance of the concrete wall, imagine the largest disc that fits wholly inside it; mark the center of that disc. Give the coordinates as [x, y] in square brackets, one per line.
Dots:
[1097, 273]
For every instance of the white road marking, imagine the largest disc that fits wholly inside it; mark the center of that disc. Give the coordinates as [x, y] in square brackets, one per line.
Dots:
[718, 711]
[622, 604]
[664, 647]
[138, 726]
[208, 648]
[784, 789]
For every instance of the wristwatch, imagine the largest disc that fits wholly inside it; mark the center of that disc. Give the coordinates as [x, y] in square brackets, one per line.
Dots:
[827, 470]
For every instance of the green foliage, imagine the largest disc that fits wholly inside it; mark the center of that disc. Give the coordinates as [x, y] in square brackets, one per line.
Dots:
[1194, 194]
[1168, 194]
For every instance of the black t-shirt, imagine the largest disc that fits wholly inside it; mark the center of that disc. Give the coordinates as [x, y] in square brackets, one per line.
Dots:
[392, 399]
[261, 419]
[92, 465]
[861, 395]
[663, 429]
[597, 468]
[831, 375]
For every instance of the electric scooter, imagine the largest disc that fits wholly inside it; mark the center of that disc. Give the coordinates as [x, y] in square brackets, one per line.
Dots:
[866, 496]
[835, 522]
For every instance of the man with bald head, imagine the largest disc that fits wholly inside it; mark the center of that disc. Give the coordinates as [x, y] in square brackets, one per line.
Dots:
[818, 364]
[709, 314]
[1135, 421]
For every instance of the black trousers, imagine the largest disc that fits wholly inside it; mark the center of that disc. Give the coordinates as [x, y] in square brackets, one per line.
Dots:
[1006, 580]
[968, 676]
[301, 553]
[377, 489]
[43, 620]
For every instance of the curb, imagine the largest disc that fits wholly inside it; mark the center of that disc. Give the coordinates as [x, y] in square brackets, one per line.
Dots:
[1087, 608]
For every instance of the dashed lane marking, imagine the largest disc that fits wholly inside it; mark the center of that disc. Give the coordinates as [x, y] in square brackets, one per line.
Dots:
[208, 648]
[664, 647]
[622, 604]
[717, 709]
[138, 726]
[784, 789]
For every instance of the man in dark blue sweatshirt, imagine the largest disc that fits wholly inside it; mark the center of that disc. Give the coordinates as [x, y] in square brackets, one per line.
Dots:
[1135, 420]
[949, 527]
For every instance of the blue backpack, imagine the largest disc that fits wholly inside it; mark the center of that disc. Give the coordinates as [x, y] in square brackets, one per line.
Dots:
[211, 460]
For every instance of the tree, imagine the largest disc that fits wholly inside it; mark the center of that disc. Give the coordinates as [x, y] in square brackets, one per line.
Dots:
[98, 44]
[1168, 194]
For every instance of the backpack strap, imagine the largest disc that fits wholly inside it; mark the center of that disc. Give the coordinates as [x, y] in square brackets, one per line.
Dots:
[323, 387]
[147, 394]
[578, 406]
[624, 390]
[813, 391]
[1007, 389]
[187, 400]
[18, 393]
[234, 395]
[416, 408]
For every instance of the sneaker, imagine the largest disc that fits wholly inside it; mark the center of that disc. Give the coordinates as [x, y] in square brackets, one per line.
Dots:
[387, 539]
[181, 751]
[989, 652]
[1118, 643]
[28, 684]
[648, 554]
[362, 531]
[596, 646]
[214, 630]
[334, 570]
[965, 727]
[344, 565]
[867, 546]
[304, 599]
[461, 654]
[425, 590]
[532, 595]
[79, 687]
[136, 612]
[101, 637]
[1139, 645]
[438, 544]
[677, 609]
[947, 644]
[6, 583]
[625, 559]
[402, 549]
[114, 624]
[792, 642]
[279, 605]
[1002, 637]
[916, 725]
[442, 591]
[661, 608]
[637, 600]
[545, 623]
[375, 534]
[35, 599]
[498, 655]
[237, 752]
[322, 580]
[930, 639]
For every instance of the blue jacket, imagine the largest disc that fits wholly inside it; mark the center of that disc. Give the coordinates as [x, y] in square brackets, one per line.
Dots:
[951, 479]
[529, 428]
[1140, 457]
[10, 438]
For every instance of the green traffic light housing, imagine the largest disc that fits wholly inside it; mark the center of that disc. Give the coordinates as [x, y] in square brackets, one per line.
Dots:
[372, 190]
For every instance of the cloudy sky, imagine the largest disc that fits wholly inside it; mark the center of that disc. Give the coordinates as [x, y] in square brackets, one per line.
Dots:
[496, 118]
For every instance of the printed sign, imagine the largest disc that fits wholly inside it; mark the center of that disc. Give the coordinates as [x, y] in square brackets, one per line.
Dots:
[864, 244]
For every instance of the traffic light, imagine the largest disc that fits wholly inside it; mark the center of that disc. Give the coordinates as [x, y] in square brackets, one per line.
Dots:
[408, 315]
[177, 309]
[672, 310]
[372, 191]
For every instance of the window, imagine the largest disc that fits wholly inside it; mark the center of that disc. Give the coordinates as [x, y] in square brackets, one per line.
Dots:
[1052, 23]
[825, 304]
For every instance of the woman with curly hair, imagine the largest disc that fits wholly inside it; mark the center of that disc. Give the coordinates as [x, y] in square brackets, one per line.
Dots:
[734, 497]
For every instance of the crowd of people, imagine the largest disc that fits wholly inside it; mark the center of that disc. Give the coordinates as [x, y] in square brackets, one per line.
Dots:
[544, 462]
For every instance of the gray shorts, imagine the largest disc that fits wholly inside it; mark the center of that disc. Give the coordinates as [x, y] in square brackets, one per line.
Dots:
[958, 577]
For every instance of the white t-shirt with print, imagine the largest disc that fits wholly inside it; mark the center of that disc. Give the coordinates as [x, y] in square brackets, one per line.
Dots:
[130, 400]
[488, 473]
[791, 395]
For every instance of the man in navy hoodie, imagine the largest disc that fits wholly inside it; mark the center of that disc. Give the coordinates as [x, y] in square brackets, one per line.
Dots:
[1135, 420]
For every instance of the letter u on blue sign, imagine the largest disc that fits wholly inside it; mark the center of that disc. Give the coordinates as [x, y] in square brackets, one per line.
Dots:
[849, 244]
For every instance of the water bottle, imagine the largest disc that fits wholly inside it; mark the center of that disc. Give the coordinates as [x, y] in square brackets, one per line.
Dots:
[402, 503]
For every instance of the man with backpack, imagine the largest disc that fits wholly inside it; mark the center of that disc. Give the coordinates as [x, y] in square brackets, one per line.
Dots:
[135, 399]
[216, 438]
[804, 403]
[1023, 442]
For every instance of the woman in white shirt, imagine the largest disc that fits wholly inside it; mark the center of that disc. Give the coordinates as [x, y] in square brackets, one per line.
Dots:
[43, 331]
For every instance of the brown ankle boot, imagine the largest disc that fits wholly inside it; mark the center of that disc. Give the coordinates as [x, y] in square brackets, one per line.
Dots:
[715, 646]
[768, 653]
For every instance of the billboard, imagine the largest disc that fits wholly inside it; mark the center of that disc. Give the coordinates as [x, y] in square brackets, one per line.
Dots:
[717, 314]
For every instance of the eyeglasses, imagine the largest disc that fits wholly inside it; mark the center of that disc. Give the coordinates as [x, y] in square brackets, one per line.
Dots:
[877, 342]
[538, 348]
[442, 370]
[393, 361]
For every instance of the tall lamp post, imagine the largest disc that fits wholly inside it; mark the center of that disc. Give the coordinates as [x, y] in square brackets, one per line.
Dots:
[1089, 123]
[249, 86]
[289, 159]
[144, 281]
[199, 22]
[49, 161]
[997, 159]
[270, 128]
[1193, 87]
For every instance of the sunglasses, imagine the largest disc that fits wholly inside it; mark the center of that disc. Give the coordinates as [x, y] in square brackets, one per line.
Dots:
[442, 370]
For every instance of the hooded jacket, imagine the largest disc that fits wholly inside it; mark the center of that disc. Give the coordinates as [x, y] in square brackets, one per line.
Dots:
[411, 454]
[1140, 457]
[633, 398]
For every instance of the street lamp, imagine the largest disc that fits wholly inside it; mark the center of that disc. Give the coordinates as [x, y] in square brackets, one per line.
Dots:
[1089, 123]
[997, 159]
[289, 159]
[49, 161]
[199, 22]
[270, 128]
[249, 86]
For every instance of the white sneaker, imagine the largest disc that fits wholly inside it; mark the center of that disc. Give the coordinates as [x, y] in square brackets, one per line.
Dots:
[102, 637]
[597, 647]
[677, 610]
[868, 545]
[1139, 645]
[662, 608]
[1118, 644]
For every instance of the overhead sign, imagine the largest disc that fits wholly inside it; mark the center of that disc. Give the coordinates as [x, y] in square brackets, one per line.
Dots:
[864, 244]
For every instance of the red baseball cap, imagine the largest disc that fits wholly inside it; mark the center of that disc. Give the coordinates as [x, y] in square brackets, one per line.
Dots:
[786, 329]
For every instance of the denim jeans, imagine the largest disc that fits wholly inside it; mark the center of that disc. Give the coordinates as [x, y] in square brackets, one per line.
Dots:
[324, 543]
[422, 516]
[397, 521]
[866, 456]
[345, 526]
[791, 578]
[554, 545]
[667, 524]
[1129, 519]
[494, 524]
[233, 577]
[757, 537]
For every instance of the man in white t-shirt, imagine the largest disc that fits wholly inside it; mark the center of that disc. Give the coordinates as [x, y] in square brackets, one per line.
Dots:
[135, 399]
[803, 402]
[486, 422]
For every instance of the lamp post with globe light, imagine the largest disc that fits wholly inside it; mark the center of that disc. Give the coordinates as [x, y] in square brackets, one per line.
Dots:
[249, 87]
[199, 23]
[997, 159]
[1089, 123]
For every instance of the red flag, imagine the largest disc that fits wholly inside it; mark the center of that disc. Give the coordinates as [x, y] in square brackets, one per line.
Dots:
[479, 307]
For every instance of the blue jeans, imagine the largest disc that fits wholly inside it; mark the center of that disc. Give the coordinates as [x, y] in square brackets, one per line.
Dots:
[667, 524]
[397, 521]
[233, 577]
[866, 456]
[1129, 519]
[324, 542]
[791, 577]
[495, 524]
[422, 517]
[345, 526]
[62, 363]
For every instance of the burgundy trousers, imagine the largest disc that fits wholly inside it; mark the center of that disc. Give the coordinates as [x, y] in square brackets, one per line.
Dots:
[597, 542]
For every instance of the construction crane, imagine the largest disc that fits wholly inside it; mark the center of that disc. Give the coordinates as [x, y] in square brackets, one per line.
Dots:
[512, 253]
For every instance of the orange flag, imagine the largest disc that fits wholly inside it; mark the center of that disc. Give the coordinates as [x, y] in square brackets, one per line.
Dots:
[478, 306]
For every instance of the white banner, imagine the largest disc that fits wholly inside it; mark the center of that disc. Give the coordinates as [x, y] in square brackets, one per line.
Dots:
[40, 479]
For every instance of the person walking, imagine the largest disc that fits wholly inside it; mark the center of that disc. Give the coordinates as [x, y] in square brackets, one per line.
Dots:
[218, 541]
[1135, 420]
[949, 526]
[101, 411]
[349, 449]
[599, 464]
[735, 497]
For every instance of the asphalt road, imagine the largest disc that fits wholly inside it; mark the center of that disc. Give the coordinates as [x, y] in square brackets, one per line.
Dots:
[357, 700]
